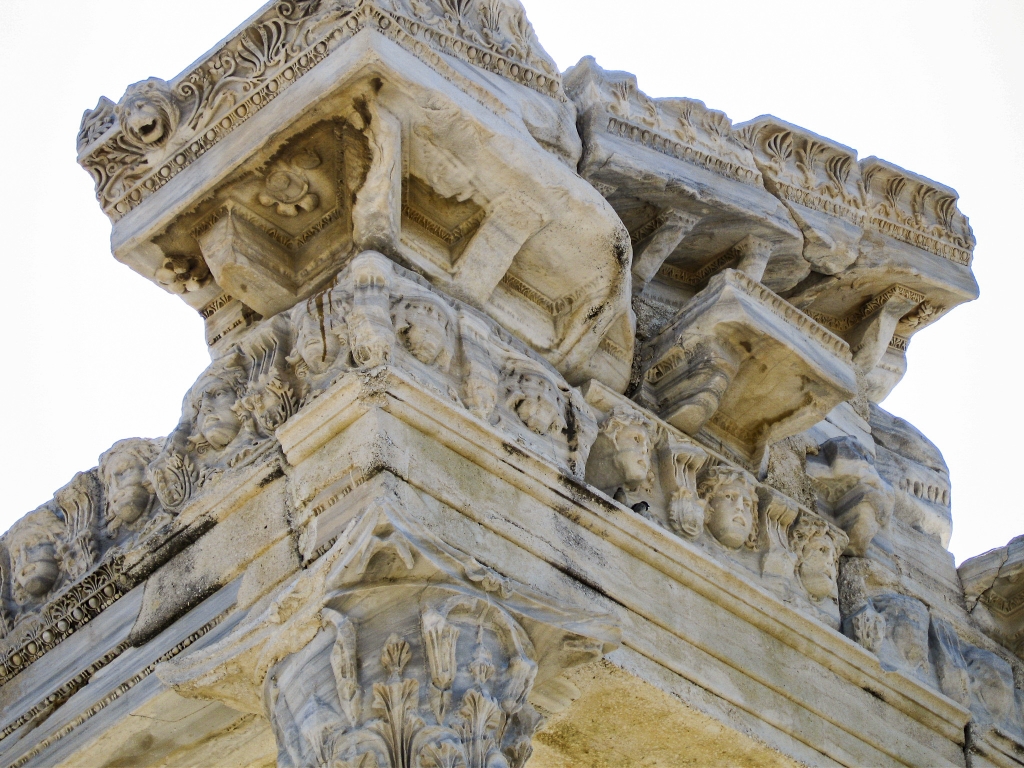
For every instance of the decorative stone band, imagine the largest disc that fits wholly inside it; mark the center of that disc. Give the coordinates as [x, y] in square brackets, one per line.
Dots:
[647, 229]
[884, 296]
[1003, 604]
[792, 315]
[816, 173]
[673, 148]
[921, 240]
[61, 617]
[117, 693]
[701, 276]
[448, 236]
[64, 692]
[811, 199]
[275, 51]
[899, 343]
[555, 308]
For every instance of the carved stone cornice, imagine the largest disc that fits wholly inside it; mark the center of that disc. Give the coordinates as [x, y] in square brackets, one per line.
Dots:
[993, 584]
[694, 371]
[916, 211]
[814, 172]
[684, 129]
[202, 106]
[126, 686]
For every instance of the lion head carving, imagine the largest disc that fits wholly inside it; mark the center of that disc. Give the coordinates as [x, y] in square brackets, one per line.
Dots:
[148, 113]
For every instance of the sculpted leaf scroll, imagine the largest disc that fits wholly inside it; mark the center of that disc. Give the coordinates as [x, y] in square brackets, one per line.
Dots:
[161, 128]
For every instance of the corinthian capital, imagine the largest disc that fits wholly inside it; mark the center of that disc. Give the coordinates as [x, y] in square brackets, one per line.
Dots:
[394, 650]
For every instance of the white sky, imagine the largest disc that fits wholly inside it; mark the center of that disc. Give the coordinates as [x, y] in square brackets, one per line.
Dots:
[96, 353]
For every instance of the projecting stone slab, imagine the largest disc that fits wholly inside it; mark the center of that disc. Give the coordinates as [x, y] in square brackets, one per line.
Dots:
[870, 228]
[685, 187]
[747, 365]
[994, 590]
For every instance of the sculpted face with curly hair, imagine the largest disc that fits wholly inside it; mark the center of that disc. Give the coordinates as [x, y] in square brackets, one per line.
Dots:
[731, 507]
[32, 543]
[129, 491]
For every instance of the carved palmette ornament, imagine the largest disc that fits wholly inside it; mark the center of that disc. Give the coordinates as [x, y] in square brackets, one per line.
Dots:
[79, 502]
[391, 651]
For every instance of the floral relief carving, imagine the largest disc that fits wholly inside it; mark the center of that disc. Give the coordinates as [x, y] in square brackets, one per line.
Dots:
[162, 128]
[286, 187]
[681, 128]
[357, 663]
[183, 274]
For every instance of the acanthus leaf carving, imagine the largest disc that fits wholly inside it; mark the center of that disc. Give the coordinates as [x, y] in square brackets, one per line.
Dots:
[79, 503]
[374, 705]
[680, 464]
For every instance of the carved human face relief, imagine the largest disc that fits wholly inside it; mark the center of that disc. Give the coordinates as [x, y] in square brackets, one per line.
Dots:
[217, 421]
[424, 329]
[991, 681]
[907, 621]
[129, 492]
[481, 395]
[34, 562]
[633, 455]
[538, 404]
[730, 513]
[818, 568]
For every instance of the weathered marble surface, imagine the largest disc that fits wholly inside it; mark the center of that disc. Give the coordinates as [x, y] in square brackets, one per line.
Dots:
[541, 428]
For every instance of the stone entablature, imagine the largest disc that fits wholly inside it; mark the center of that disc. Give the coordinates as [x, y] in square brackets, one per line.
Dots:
[307, 381]
[530, 397]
